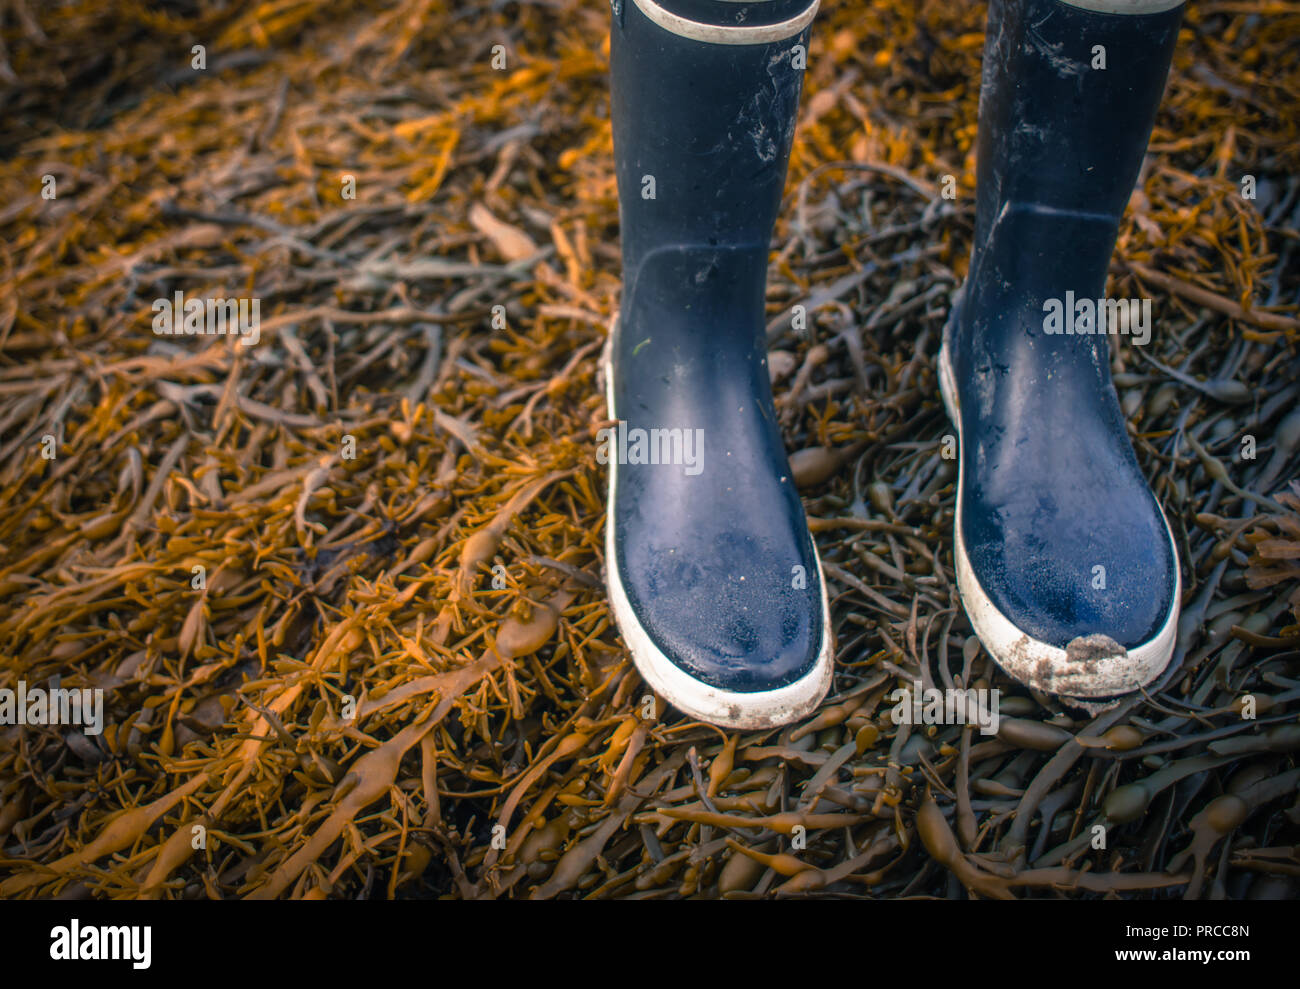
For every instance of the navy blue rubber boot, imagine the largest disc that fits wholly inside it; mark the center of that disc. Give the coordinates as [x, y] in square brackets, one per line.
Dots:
[712, 574]
[1065, 562]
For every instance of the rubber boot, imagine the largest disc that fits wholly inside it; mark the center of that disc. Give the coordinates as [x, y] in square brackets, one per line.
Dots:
[1065, 562]
[713, 577]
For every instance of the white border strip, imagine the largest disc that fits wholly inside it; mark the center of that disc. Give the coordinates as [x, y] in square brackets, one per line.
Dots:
[721, 34]
[1125, 6]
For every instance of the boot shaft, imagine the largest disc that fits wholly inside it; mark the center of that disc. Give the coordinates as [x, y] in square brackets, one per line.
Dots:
[1057, 130]
[704, 96]
[1068, 99]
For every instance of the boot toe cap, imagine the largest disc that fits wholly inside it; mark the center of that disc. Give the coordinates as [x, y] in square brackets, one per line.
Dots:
[1064, 579]
[727, 611]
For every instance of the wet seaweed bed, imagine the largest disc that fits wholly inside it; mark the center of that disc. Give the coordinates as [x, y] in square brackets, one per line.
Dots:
[399, 676]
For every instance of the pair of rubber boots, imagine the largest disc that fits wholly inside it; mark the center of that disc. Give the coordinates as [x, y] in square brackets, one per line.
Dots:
[714, 579]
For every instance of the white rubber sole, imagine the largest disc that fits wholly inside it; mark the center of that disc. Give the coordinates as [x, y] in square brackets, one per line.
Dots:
[726, 708]
[1090, 667]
